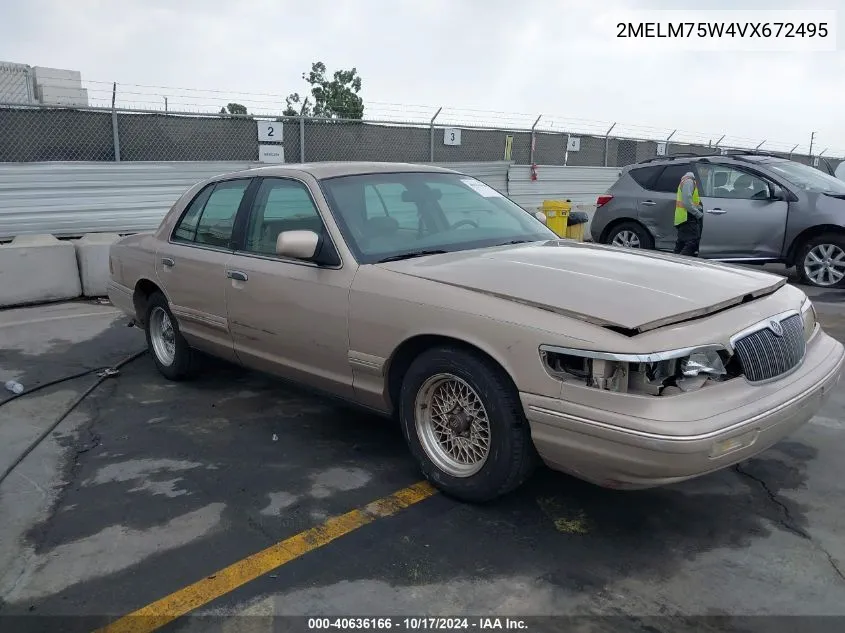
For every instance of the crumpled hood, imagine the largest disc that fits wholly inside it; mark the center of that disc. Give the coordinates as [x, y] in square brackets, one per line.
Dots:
[624, 288]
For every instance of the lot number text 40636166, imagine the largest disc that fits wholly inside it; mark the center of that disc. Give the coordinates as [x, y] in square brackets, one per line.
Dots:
[417, 623]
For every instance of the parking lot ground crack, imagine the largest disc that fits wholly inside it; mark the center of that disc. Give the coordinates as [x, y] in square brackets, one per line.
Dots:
[788, 522]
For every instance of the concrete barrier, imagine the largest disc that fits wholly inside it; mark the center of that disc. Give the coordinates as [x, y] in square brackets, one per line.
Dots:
[92, 255]
[38, 269]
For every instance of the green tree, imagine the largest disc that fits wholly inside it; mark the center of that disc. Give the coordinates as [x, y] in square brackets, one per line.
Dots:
[335, 98]
[233, 108]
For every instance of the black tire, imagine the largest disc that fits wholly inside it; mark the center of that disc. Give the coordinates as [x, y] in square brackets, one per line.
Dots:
[511, 457]
[801, 254]
[183, 364]
[646, 238]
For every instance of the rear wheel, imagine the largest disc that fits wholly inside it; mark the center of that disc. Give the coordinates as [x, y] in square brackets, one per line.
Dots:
[821, 261]
[464, 424]
[630, 235]
[171, 353]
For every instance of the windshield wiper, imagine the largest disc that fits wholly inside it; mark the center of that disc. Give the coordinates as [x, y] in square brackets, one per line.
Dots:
[396, 258]
[513, 242]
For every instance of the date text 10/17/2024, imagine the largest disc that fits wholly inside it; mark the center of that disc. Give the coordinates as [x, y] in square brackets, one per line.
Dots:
[421, 623]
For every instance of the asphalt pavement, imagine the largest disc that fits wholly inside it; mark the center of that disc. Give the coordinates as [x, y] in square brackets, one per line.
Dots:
[152, 491]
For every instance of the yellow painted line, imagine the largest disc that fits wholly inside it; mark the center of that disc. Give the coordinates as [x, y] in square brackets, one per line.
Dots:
[163, 611]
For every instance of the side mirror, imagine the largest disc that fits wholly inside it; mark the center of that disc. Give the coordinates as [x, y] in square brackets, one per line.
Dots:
[297, 244]
[777, 192]
[541, 216]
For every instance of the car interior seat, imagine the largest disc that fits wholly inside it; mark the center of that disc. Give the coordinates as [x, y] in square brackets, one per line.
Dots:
[720, 179]
[743, 187]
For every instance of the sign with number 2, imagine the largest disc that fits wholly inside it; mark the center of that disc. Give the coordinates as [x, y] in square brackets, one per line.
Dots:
[270, 132]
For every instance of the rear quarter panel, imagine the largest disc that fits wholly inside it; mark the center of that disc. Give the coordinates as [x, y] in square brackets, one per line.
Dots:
[132, 260]
[623, 206]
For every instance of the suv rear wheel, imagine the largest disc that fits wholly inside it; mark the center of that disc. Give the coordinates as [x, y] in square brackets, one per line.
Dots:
[630, 235]
[821, 261]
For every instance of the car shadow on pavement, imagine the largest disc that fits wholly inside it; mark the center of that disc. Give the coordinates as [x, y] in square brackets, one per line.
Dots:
[187, 477]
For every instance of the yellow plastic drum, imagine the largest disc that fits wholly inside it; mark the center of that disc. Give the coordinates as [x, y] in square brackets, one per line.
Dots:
[557, 215]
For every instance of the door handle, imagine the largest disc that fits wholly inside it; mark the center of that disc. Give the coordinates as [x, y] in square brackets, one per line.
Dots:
[236, 274]
[649, 203]
[167, 261]
[716, 211]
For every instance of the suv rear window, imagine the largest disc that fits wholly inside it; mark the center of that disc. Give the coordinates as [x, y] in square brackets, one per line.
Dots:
[669, 180]
[644, 176]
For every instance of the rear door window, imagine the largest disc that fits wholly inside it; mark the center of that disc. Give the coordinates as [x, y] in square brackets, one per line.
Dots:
[218, 216]
[186, 230]
[670, 178]
[644, 176]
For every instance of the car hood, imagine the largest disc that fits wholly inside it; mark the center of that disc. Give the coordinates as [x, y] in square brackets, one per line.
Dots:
[633, 291]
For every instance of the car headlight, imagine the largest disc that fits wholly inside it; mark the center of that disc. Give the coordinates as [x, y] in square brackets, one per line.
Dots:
[658, 374]
[808, 316]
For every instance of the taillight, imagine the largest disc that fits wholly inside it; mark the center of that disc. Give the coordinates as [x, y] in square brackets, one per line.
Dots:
[603, 200]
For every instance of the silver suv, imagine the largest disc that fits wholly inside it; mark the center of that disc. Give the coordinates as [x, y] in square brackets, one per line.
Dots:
[759, 208]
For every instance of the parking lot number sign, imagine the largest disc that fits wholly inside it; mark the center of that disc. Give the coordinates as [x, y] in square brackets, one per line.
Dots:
[270, 132]
[271, 153]
[574, 144]
[661, 149]
[451, 136]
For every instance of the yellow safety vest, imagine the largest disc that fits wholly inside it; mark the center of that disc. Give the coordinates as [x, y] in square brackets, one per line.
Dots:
[680, 211]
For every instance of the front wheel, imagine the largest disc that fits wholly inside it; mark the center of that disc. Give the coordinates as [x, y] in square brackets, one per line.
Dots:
[630, 235]
[821, 261]
[464, 424]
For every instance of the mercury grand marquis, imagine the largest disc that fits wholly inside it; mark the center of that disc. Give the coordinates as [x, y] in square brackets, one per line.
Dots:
[424, 294]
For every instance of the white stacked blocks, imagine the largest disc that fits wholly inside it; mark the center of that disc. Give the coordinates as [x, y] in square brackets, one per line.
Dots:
[40, 268]
[92, 255]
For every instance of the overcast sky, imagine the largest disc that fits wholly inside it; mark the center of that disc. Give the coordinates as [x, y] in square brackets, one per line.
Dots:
[533, 56]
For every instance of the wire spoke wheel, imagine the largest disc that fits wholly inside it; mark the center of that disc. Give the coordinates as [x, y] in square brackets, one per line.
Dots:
[452, 425]
[162, 336]
[627, 239]
[824, 265]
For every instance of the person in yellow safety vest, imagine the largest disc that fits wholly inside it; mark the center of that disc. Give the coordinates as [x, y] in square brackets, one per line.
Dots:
[689, 215]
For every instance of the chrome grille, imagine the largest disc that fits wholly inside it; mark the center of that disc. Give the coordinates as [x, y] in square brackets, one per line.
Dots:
[764, 355]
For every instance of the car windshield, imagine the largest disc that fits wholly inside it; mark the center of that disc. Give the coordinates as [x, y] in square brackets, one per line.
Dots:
[395, 215]
[808, 178]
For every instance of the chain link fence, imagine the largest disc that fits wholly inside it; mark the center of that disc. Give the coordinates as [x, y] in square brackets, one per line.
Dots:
[16, 83]
[57, 133]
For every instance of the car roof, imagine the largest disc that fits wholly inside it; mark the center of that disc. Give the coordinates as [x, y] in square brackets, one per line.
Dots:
[731, 158]
[333, 169]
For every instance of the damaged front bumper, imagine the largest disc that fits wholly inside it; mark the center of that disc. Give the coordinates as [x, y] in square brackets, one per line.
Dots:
[639, 441]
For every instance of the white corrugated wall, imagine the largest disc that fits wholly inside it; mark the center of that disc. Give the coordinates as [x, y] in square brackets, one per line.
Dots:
[70, 199]
[581, 185]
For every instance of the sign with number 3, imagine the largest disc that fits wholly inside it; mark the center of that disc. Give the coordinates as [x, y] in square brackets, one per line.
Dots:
[270, 132]
[451, 136]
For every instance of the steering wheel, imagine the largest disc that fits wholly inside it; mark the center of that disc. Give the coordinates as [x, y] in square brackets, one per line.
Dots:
[473, 223]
